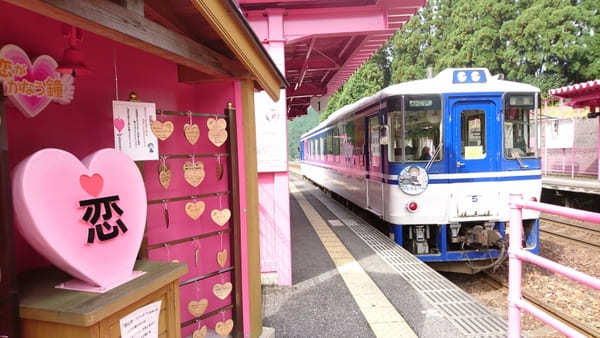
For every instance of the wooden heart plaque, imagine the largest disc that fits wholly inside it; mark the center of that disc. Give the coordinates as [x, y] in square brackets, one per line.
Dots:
[220, 216]
[222, 258]
[164, 175]
[197, 308]
[223, 329]
[194, 209]
[193, 173]
[222, 290]
[217, 133]
[162, 130]
[192, 133]
[200, 333]
[219, 171]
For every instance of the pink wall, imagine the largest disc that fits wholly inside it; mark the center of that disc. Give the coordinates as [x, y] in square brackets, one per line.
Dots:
[85, 125]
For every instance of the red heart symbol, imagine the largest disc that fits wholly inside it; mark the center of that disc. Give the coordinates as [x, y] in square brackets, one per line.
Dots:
[93, 185]
[119, 124]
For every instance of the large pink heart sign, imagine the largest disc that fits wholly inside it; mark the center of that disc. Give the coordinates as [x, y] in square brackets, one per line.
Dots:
[32, 86]
[86, 217]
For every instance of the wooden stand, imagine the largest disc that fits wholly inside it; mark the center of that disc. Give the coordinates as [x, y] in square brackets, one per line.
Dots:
[49, 312]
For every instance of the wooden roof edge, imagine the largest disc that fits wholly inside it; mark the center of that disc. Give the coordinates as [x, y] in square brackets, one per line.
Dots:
[241, 39]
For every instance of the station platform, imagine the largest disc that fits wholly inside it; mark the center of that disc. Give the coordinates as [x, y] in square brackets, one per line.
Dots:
[350, 280]
[588, 185]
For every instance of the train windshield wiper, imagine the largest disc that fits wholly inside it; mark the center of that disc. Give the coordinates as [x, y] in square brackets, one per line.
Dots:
[517, 157]
[437, 151]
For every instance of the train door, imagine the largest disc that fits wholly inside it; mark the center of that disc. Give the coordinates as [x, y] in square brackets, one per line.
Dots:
[475, 135]
[374, 167]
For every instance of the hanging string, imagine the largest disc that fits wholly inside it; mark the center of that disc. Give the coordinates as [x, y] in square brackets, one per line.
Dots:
[220, 206]
[115, 70]
[190, 116]
[196, 246]
[163, 159]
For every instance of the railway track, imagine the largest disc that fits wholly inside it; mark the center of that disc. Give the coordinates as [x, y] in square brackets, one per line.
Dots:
[555, 312]
[578, 227]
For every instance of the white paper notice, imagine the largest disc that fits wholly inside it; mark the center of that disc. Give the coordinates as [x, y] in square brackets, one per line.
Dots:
[131, 125]
[141, 323]
[271, 133]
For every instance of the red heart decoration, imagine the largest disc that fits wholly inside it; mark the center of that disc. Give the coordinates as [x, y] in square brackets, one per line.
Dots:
[93, 185]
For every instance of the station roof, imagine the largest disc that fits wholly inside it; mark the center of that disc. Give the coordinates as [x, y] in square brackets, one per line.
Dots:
[580, 95]
[326, 41]
[209, 40]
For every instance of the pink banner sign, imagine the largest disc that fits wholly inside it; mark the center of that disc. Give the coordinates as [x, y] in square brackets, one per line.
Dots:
[32, 86]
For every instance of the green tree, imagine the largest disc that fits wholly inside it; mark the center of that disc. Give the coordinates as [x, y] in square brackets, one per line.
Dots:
[297, 127]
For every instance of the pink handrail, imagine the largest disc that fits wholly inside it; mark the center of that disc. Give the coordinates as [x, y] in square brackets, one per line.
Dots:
[516, 255]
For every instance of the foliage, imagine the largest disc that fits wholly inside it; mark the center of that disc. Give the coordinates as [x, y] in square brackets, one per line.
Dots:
[547, 43]
[297, 127]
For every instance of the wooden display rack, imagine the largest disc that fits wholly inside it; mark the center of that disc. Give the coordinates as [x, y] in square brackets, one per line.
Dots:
[49, 312]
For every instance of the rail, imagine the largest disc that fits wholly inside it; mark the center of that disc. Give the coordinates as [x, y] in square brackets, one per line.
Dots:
[516, 255]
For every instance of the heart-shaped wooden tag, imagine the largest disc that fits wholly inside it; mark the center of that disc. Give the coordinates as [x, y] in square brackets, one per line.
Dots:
[222, 290]
[219, 171]
[162, 130]
[194, 210]
[193, 173]
[222, 258]
[216, 131]
[223, 329]
[192, 132]
[220, 216]
[164, 175]
[200, 333]
[197, 308]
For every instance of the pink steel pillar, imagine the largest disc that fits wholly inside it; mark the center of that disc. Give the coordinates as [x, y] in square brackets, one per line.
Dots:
[598, 147]
[273, 180]
[514, 268]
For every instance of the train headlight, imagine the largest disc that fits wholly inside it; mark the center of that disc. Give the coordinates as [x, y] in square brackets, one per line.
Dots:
[413, 180]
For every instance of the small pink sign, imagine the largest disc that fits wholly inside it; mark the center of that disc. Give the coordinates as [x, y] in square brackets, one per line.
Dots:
[86, 217]
[32, 86]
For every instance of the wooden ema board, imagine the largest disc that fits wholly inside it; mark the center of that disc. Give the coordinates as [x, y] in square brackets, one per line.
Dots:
[183, 230]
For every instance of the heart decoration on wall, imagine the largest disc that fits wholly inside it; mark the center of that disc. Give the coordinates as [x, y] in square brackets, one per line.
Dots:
[195, 209]
[216, 131]
[192, 133]
[200, 333]
[220, 216]
[197, 308]
[193, 172]
[223, 329]
[162, 130]
[164, 175]
[222, 290]
[222, 258]
[55, 197]
[40, 81]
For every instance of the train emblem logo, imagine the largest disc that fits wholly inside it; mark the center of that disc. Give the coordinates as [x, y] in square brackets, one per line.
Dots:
[413, 180]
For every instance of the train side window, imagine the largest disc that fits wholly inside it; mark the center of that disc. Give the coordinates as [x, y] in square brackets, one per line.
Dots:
[419, 137]
[472, 134]
[519, 129]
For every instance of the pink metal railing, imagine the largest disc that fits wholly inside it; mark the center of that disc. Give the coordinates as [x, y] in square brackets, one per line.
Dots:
[570, 161]
[516, 254]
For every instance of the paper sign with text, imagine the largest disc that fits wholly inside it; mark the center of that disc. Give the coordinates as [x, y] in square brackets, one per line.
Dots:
[131, 126]
[141, 323]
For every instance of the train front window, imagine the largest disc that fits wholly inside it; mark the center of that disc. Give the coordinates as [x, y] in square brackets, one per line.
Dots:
[519, 127]
[472, 134]
[416, 135]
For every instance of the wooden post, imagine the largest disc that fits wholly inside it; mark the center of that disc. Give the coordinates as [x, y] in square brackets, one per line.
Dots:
[9, 325]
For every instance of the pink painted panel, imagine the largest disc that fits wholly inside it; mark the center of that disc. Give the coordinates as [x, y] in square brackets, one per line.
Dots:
[210, 323]
[203, 289]
[266, 208]
[185, 253]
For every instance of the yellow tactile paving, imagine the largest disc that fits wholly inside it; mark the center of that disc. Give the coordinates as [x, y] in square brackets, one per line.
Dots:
[383, 318]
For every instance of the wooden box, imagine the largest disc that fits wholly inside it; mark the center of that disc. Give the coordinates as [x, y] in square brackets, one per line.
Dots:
[49, 312]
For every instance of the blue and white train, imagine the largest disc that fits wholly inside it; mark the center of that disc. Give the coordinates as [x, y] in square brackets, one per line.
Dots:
[436, 159]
